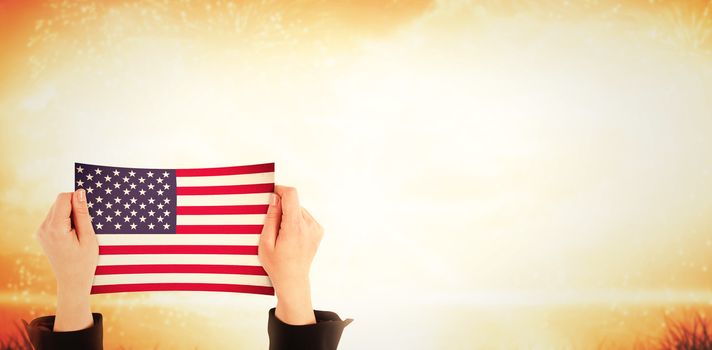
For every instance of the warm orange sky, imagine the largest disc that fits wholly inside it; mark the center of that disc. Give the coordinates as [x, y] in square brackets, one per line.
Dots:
[461, 154]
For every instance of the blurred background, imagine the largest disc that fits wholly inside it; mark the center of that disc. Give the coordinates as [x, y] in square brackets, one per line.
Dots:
[490, 174]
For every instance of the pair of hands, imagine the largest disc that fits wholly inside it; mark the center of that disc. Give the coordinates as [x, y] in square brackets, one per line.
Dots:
[288, 243]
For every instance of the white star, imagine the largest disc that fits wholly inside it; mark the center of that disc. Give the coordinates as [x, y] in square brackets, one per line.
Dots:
[99, 226]
[133, 226]
[166, 186]
[127, 219]
[126, 191]
[99, 199]
[108, 191]
[117, 226]
[150, 213]
[116, 185]
[166, 226]
[160, 219]
[126, 179]
[133, 213]
[150, 226]
[90, 190]
[151, 200]
[116, 172]
[91, 218]
[160, 206]
[160, 192]
[126, 205]
[165, 174]
[108, 219]
[98, 184]
[117, 212]
[166, 213]
[133, 200]
[107, 178]
[150, 186]
[167, 200]
[90, 204]
[97, 171]
[132, 173]
[90, 177]
[141, 180]
[142, 218]
[159, 180]
[117, 199]
[108, 205]
[80, 169]
[99, 212]
[142, 206]
[133, 186]
[142, 192]
[150, 174]
[80, 183]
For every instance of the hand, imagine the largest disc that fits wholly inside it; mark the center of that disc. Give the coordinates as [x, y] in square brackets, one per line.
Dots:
[289, 240]
[67, 238]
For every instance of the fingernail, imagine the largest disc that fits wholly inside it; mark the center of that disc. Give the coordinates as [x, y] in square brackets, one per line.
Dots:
[272, 199]
[81, 195]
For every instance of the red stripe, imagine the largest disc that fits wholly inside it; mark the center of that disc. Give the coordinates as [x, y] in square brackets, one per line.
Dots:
[180, 268]
[222, 209]
[220, 229]
[178, 249]
[233, 170]
[207, 287]
[234, 189]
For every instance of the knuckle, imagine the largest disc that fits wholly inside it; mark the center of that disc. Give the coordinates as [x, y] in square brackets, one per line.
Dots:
[81, 210]
[63, 196]
[289, 191]
[42, 230]
[263, 243]
[316, 225]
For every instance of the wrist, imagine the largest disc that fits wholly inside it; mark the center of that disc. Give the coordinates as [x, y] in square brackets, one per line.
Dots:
[73, 310]
[294, 305]
[293, 290]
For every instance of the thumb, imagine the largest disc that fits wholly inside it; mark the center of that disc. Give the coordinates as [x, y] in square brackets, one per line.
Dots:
[272, 222]
[80, 215]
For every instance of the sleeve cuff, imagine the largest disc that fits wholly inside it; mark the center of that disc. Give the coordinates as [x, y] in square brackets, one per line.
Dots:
[324, 334]
[41, 334]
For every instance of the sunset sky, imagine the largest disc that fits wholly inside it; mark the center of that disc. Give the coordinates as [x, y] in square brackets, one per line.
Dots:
[497, 173]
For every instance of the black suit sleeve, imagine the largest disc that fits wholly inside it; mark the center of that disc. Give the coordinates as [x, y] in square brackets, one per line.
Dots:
[41, 334]
[323, 335]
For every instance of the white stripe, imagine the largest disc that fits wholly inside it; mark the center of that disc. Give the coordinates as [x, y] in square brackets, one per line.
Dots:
[223, 199]
[168, 259]
[178, 239]
[246, 219]
[101, 280]
[225, 180]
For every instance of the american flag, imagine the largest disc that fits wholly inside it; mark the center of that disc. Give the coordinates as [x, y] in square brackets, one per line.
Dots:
[178, 229]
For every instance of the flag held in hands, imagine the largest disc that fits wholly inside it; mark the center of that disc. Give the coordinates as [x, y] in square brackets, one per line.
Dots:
[178, 229]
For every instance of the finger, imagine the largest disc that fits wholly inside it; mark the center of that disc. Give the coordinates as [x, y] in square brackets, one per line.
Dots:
[61, 211]
[80, 216]
[291, 211]
[272, 222]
